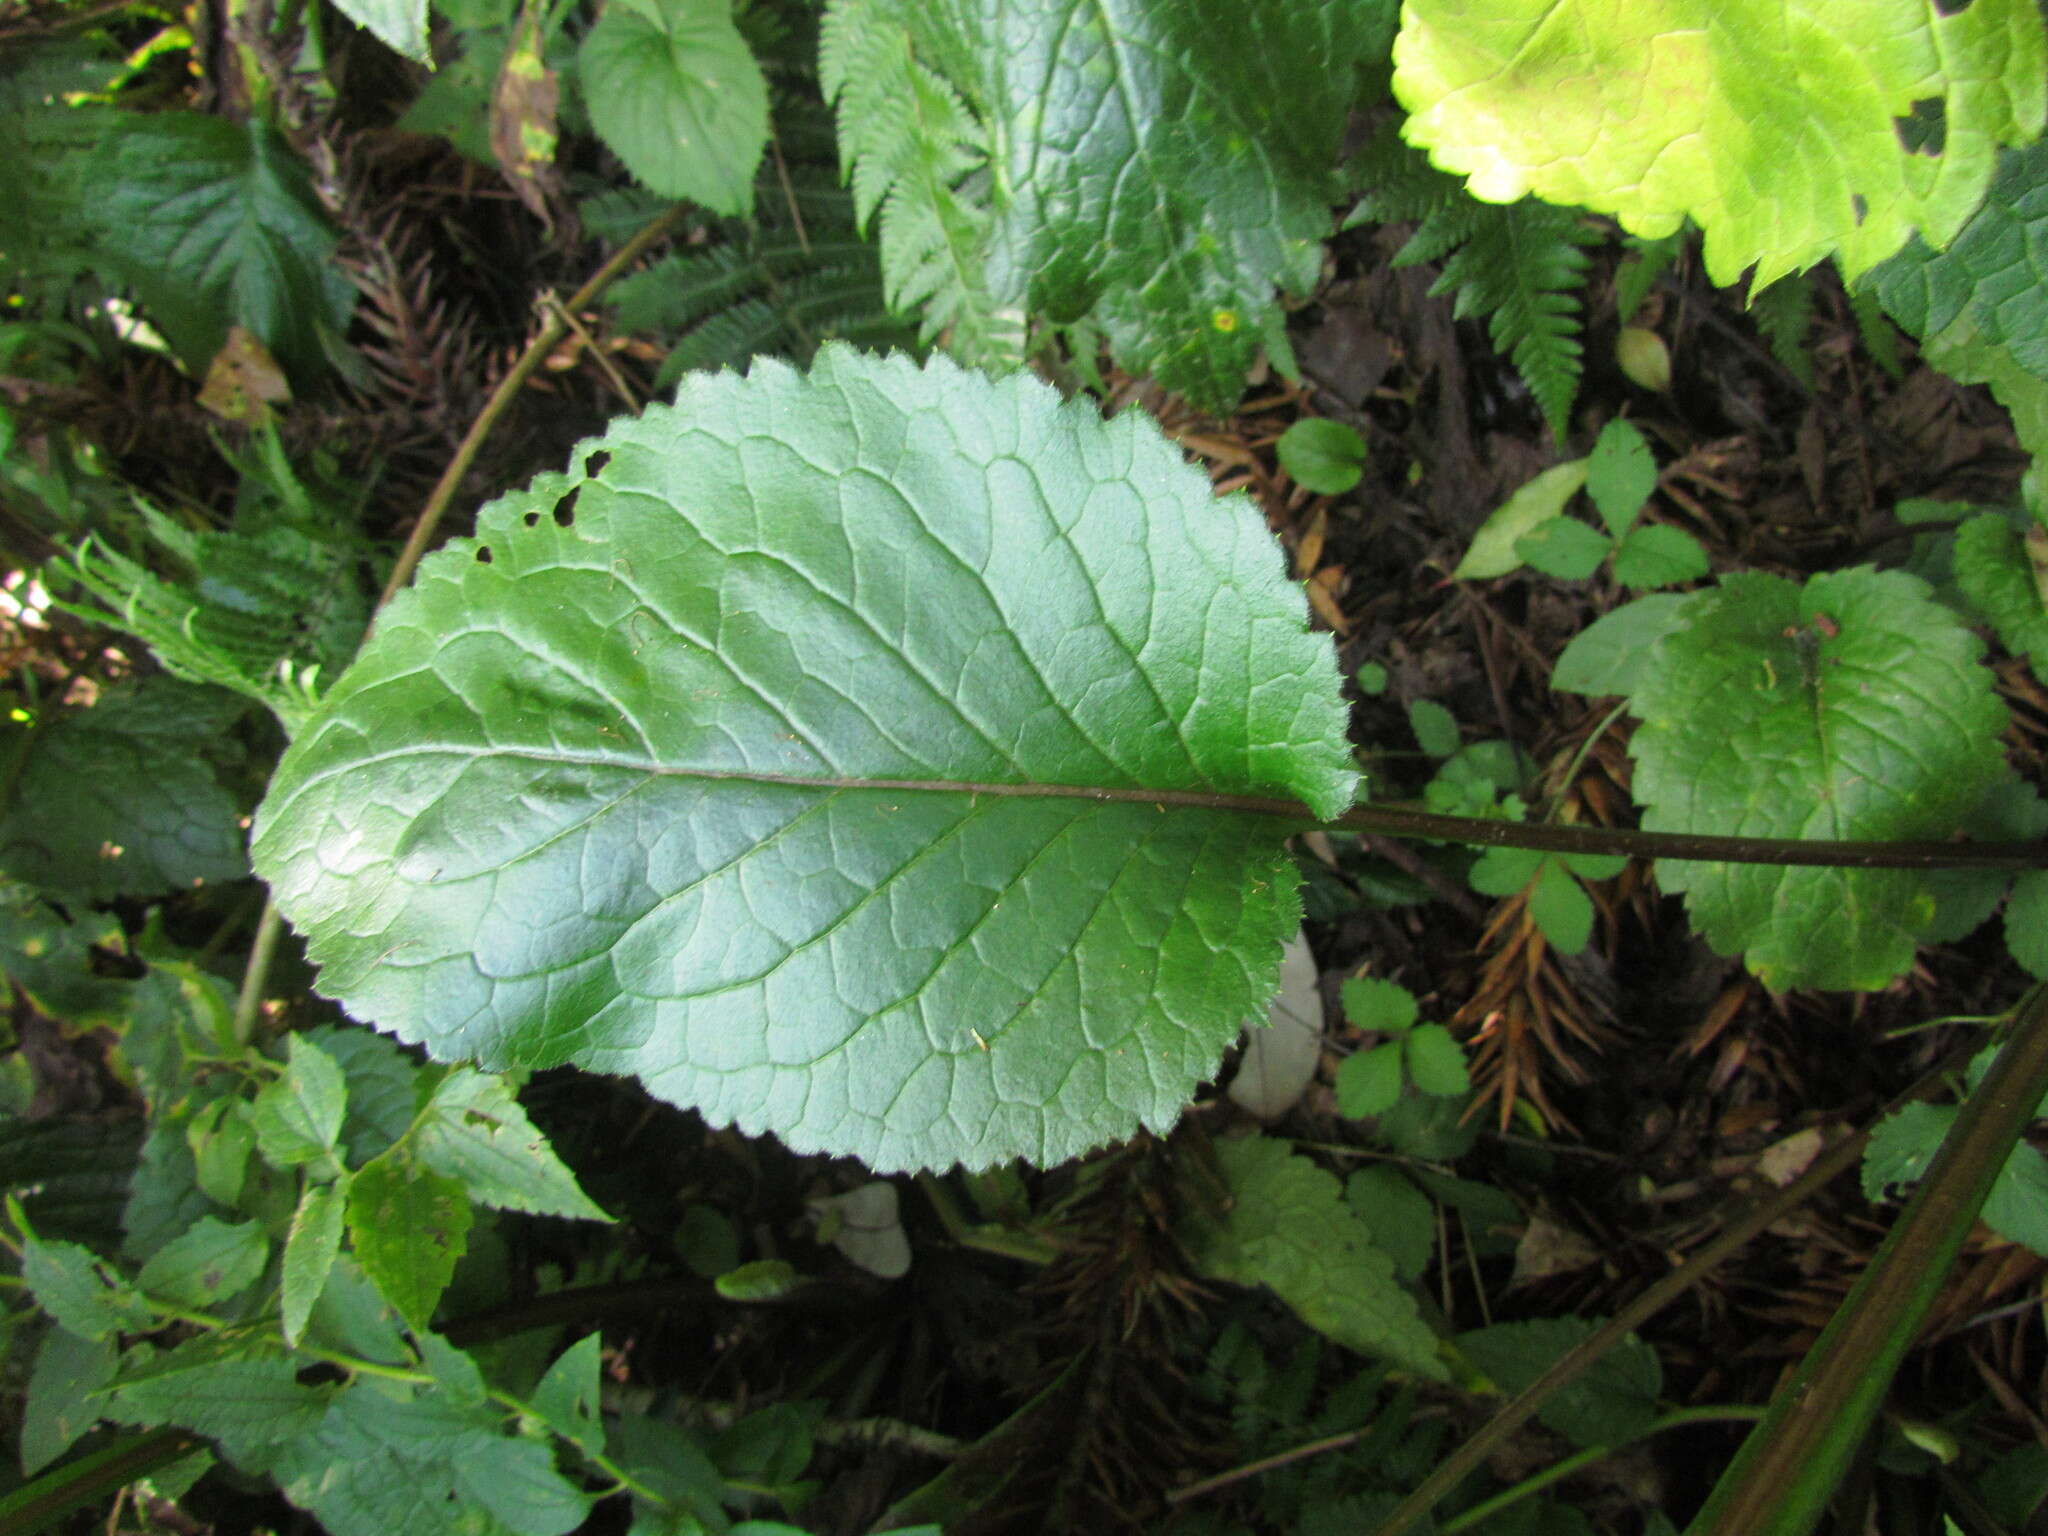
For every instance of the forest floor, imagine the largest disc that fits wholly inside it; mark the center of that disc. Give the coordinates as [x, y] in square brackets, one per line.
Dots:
[1631, 1097]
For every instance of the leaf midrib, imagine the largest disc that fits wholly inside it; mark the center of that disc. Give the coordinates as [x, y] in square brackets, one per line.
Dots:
[1186, 799]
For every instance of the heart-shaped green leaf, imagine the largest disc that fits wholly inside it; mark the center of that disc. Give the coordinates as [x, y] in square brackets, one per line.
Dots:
[849, 755]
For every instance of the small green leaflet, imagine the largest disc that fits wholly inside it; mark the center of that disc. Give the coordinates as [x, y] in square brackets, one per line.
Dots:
[672, 87]
[309, 1253]
[829, 750]
[1325, 456]
[210, 1262]
[408, 1225]
[1854, 707]
[474, 1131]
[1620, 475]
[1564, 547]
[1288, 1228]
[1657, 556]
[298, 1115]
[1369, 1082]
[1371, 1002]
[1435, 728]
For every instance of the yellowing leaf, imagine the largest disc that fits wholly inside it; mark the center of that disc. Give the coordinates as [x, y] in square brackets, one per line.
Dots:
[1770, 123]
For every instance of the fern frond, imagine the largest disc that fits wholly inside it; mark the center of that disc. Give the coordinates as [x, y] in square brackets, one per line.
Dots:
[1521, 268]
[261, 614]
[1784, 312]
[1518, 266]
[915, 151]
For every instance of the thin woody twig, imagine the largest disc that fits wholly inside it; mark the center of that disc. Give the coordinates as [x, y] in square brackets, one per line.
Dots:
[544, 342]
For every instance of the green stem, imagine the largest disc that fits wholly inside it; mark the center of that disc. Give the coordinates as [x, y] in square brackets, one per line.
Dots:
[1780, 1482]
[1523, 1406]
[249, 1001]
[41, 1504]
[1579, 1461]
[1007, 1242]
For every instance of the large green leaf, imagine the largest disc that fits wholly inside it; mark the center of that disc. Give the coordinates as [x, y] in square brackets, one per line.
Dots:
[811, 749]
[1157, 167]
[1769, 122]
[1996, 269]
[1854, 707]
[214, 223]
[1165, 166]
[674, 90]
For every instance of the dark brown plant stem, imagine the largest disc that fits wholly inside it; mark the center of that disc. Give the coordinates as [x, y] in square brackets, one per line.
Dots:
[1787, 1470]
[545, 340]
[1523, 1406]
[1558, 837]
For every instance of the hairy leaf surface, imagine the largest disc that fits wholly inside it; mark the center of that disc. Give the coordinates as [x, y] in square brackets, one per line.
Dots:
[1851, 708]
[1289, 1228]
[674, 90]
[1996, 269]
[811, 750]
[1157, 169]
[1770, 124]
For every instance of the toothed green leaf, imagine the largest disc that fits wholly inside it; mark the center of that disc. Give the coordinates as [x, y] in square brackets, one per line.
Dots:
[673, 89]
[1854, 707]
[1288, 1227]
[765, 754]
[1771, 125]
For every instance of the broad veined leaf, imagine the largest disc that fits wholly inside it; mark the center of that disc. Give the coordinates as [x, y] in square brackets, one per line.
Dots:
[215, 223]
[63, 1395]
[1996, 269]
[1166, 167]
[1611, 1403]
[207, 1264]
[1852, 708]
[1289, 1228]
[1996, 566]
[674, 90]
[1771, 124]
[846, 754]
[310, 1249]
[245, 1400]
[408, 1225]
[1156, 169]
[474, 1131]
